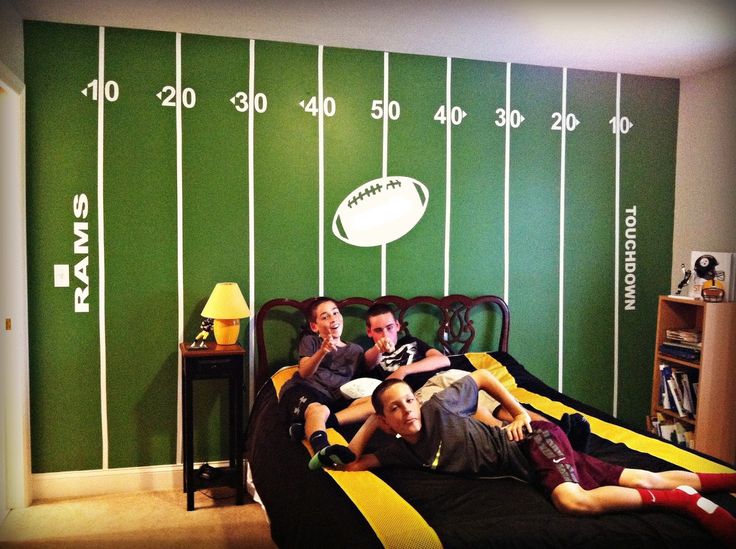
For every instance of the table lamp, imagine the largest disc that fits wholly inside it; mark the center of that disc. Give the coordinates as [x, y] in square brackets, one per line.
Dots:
[226, 306]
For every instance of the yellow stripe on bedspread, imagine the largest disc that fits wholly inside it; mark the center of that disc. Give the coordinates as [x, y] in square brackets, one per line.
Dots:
[395, 522]
[609, 431]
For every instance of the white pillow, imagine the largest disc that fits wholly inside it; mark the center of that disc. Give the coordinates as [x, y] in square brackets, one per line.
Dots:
[360, 387]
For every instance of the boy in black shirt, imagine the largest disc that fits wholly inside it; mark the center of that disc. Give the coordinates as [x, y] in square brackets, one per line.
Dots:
[408, 358]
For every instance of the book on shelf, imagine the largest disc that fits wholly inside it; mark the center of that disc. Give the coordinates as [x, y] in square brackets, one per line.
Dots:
[655, 422]
[689, 335]
[688, 396]
[694, 388]
[664, 389]
[683, 344]
[683, 353]
[667, 432]
[671, 430]
[676, 395]
[685, 437]
[678, 391]
[652, 424]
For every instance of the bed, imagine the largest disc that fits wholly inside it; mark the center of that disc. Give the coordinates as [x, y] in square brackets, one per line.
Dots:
[410, 508]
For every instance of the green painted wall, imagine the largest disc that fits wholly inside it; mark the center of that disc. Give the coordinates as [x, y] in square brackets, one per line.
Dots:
[525, 201]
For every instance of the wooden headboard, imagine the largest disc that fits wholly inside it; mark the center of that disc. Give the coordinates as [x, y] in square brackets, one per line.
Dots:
[455, 330]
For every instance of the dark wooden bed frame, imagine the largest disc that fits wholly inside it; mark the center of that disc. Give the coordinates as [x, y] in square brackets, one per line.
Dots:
[455, 330]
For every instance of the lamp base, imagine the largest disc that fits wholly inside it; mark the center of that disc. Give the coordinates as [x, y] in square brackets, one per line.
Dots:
[227, 331]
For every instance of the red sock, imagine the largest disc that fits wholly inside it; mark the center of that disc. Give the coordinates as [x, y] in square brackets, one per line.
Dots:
[685, 499]
[717, 482]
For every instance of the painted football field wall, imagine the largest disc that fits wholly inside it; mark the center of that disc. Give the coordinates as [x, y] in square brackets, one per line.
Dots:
[160, 164]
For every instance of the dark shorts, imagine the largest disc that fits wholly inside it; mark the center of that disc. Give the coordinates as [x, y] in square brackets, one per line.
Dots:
[294, 401]
[554, 461]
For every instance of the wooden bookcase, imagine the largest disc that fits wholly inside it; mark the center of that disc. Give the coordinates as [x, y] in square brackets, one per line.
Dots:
[713, 424]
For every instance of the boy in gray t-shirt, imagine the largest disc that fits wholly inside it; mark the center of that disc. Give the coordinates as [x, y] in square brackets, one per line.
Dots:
[441, 436]
[311, 399]
[447, 428]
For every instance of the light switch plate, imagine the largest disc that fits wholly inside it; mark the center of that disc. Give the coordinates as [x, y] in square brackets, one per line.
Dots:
[61, 276]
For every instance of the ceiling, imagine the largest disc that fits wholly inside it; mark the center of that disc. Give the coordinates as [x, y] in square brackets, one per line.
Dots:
[670, 38]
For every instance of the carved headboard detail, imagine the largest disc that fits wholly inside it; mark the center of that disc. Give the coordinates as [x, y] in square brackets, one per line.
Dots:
[455, 329]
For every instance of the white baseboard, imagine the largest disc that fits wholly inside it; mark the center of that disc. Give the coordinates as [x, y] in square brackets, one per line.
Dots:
[70, 484]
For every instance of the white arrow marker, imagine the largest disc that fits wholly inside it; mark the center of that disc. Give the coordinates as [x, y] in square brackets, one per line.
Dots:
[159, 94]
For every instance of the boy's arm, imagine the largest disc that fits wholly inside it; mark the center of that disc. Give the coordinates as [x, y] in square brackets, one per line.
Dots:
[374, 354]
[358, 443]
[363, 463]
[309, 364]
[372, 357]
[433, 360]
[488, 382]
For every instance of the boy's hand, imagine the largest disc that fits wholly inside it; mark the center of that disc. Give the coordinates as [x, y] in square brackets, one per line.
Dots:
[328, 345]
[374, 422]
[515, 429]
[384, 345]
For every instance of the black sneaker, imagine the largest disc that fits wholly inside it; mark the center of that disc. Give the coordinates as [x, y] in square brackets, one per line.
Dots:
[335, 454]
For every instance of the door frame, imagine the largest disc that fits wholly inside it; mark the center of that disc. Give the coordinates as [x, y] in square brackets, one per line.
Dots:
[15, 388]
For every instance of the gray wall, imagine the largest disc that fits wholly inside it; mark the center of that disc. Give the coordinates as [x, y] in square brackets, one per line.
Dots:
[11, 39]
[705, 193]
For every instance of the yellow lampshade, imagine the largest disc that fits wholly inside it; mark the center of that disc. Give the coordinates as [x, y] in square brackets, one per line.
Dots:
[226, 306]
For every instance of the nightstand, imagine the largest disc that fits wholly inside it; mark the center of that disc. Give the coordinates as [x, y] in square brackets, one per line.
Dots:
[215, 362]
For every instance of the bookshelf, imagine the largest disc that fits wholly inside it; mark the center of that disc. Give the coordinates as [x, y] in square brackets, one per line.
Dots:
[708, 366]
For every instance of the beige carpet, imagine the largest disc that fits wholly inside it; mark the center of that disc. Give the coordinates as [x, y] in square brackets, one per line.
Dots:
[139, 519]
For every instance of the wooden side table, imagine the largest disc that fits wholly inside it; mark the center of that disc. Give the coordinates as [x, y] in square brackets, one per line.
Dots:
[217, 361]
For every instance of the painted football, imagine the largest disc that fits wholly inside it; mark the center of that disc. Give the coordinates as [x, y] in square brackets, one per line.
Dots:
[380, 211]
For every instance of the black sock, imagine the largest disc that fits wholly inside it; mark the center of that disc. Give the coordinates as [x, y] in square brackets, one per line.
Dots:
[565, 423]
[296, 432]
[318, 440]
[577, 429]
[332, 421]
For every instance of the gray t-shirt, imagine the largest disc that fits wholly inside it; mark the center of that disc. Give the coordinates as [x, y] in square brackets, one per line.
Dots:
[337, 367]
[453, 442]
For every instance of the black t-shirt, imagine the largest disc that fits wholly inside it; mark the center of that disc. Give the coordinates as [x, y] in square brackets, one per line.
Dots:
[453, 442]
[408, 350]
